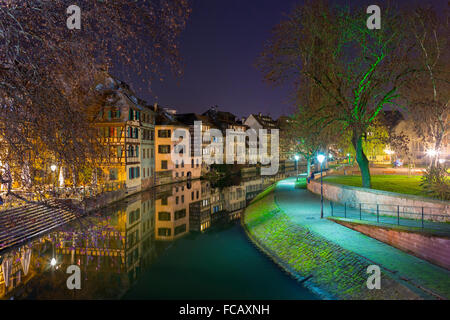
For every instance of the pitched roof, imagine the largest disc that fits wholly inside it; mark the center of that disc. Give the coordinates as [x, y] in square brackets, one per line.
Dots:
[266, 121]
[189, 118]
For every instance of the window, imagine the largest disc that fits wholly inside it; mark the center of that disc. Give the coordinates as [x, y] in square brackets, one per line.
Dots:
[164, 149]
[163, 164]
[192, 195]
[164, 232]
[113, 174]
[182, 163]
[180, 214]
[176, 199]
[180, 229]
[164, 133]
[164, 216]
[176, 163]
[164, 201]
[192, 163]
[182, 198]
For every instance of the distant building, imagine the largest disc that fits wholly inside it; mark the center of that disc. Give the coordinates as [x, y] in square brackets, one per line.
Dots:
[148, 117]
[227, 121]
[168, 171]
[197, 144]
[119, 125]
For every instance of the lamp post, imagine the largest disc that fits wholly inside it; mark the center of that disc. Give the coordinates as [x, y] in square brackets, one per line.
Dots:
[321, 157]
[296, 165]
[348, 156]
[390, 153]
[53, 168]
[432, 154]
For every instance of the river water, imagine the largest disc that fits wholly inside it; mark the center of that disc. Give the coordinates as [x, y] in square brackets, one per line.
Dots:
[181, 241]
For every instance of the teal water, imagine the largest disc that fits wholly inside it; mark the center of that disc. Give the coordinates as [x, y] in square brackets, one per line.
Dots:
[219, 264]
[181, 241]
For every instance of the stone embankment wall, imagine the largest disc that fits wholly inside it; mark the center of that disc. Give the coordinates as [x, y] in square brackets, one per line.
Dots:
[427, 246]
[410, 205]
[326, 268]
[105, 199]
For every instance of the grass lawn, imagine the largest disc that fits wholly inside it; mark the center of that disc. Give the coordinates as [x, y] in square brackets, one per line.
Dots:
[300, 183]
[393, 183]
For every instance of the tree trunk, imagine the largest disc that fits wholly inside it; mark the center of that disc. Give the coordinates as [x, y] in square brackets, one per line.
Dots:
[308, 167]
[362, 160]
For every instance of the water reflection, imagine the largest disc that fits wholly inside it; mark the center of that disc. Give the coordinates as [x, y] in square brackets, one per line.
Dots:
[114, 246]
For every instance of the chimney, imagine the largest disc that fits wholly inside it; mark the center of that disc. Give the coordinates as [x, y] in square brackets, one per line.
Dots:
[243, 120]
[155, 106]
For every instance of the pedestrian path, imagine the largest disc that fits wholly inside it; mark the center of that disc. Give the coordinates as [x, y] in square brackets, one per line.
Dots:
[303, 208]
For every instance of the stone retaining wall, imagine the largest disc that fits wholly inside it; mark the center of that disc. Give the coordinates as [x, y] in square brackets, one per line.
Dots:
[433, 248]
[410, 206]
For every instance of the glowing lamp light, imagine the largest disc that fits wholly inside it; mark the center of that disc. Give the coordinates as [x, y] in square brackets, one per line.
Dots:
[296, 157]
[53, 262]
[320, 157]
[441, 161]
[431, 152]
[389, 151]
[53, 167]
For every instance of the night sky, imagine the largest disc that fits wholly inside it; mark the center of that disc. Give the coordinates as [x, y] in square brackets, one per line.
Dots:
[219, 48]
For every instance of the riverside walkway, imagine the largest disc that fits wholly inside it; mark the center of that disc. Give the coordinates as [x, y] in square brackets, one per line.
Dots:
[303, 208]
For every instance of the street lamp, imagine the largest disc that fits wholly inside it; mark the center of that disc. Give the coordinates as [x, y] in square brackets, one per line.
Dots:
[390, 153]
[321, 157]
[348, 156]
[432, 153]
[53, 168]
[296, 164]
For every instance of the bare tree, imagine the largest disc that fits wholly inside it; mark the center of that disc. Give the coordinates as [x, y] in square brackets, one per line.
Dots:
[428, 91]
[331, 50]
[47, 74]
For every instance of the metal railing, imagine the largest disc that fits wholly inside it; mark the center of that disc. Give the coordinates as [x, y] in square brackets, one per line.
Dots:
[391, 214]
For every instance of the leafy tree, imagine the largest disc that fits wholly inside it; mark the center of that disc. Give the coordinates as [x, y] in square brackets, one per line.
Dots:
[331, 50]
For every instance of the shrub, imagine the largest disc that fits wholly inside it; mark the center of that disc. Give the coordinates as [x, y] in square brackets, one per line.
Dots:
[435, 181]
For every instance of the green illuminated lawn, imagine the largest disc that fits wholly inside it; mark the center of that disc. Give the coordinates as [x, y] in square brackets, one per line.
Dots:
[392, 183]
